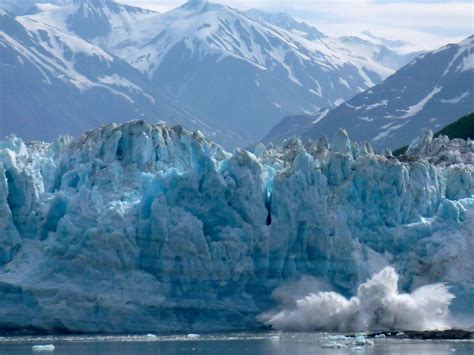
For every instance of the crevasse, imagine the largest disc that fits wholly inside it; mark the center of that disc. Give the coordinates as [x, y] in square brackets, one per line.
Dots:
[141, 228]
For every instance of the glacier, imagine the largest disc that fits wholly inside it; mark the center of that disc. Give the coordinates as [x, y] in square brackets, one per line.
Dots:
[146, 228]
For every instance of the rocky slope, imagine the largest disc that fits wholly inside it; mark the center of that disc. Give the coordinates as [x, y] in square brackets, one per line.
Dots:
[139, 228]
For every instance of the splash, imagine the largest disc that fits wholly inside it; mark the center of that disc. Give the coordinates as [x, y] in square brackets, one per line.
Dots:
[378, 305]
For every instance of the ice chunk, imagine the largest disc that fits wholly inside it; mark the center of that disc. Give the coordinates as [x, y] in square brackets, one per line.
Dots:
[49, 347]
[420, 146]
[341, 143]
[333, 346]
[193, 336]
[338, 337]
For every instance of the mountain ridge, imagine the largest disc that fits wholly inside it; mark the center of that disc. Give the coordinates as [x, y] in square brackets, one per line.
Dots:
[429, 92]
[217, 69]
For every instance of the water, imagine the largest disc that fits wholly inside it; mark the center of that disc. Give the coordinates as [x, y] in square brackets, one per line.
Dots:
[234, 343]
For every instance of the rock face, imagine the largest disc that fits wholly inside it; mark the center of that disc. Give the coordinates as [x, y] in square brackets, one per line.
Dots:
[139, 228]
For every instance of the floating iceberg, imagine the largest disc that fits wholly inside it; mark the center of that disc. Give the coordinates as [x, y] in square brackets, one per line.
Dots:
[49, 347]
[193, 336]
[141, 228]
[333, 346]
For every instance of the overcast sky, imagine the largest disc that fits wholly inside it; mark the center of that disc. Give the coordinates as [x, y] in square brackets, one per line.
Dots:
[427, 23]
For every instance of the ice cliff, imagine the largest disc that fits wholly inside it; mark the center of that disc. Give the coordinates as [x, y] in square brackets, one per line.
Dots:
[140, 228]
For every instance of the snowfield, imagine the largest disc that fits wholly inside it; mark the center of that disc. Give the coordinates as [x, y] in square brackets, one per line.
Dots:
[140, 228]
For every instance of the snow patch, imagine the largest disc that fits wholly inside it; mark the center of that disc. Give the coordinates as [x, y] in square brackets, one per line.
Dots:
[415, 109]
[377, 104]
[456, 100]
[339, 101]
[320, 116]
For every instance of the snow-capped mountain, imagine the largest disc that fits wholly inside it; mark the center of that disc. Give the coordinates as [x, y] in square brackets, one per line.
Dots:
[230, 73]
[234, 70]
[430, 92]
[379, 53]
[21, 7]
[98, 18]
[154, 229]
[103, 22]
[56, 83]
[286, 22]
[294, 126]
[390, 43]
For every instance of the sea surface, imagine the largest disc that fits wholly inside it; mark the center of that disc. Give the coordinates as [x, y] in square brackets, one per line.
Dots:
[223, 344]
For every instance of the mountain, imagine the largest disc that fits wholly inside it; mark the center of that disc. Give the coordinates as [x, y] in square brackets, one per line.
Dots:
[293, 126]
[55, 83]
[390, 43]
[21, 7]
[154, 229]
[93, 19]
[432, 91]
[229, 73]
[286, 22]
[379, 53]
[237, 73]
[462, 128]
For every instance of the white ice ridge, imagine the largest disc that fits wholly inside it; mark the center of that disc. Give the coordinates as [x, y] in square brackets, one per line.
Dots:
[378, 305]
[145, 228]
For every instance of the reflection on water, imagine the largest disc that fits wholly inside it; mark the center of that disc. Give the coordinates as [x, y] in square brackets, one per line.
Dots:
[235, 343]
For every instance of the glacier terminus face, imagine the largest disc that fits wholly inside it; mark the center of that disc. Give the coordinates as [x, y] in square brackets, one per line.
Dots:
[145, 228]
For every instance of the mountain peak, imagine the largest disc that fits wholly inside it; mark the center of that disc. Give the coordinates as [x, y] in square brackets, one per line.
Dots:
[92, 2]
[467, 41]
[286, 22]
[196, 4]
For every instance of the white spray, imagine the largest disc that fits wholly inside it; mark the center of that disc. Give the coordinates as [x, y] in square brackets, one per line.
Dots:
[377, 306]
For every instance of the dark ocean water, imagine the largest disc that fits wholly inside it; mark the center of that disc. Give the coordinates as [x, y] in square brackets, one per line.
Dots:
[235, 343]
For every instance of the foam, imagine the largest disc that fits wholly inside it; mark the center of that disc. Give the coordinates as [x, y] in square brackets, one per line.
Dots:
[377, 305]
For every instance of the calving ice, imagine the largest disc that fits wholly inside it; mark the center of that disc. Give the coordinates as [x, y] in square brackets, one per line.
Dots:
[377, 305]
[146, 228]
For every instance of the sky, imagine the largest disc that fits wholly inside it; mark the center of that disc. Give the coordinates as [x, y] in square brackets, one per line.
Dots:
[425, 23]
